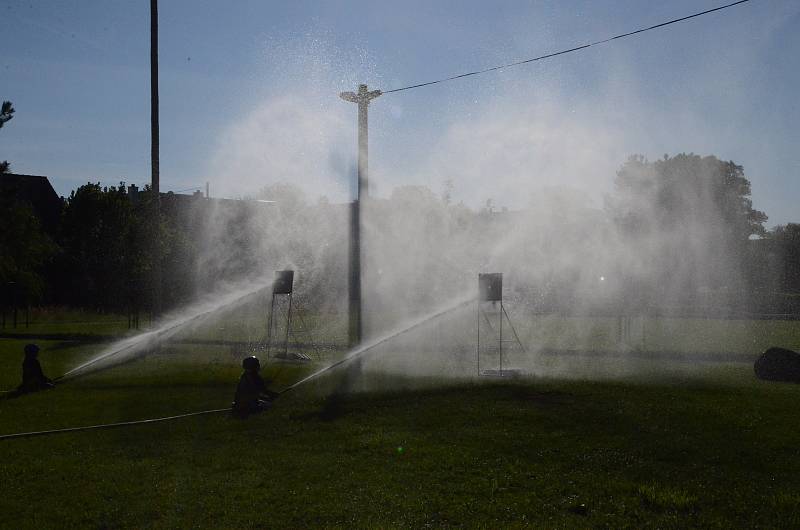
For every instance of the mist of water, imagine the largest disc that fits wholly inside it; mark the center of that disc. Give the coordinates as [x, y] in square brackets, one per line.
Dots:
[389, 337]
[524, 187]
[186, 319]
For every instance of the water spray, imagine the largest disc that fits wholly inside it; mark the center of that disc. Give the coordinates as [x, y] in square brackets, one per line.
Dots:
[159, 334]
[361, 351]
[357, 353]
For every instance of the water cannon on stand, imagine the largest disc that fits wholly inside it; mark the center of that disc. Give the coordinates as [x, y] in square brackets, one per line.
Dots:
[279, 321]
[284, 283]
[490, 287]
[491, 314]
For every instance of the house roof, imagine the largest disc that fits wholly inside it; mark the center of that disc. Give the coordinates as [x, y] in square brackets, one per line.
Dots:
[35, 190]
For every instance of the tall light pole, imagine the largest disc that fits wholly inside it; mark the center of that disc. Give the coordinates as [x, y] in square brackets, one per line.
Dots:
[362, 98]
[154, 168]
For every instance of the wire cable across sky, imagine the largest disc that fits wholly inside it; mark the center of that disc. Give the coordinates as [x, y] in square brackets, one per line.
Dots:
[562, 52]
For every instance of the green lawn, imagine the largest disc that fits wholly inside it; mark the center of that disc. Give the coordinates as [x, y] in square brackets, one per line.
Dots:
[662, 445]
[680, 335]
[68, 321]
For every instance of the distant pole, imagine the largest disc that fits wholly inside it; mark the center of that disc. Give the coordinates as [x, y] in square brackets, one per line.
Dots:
[154, 178]
[362, 98]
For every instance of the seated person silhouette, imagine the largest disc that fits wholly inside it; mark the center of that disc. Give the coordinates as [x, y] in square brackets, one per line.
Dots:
[252, 395]
[33, 378]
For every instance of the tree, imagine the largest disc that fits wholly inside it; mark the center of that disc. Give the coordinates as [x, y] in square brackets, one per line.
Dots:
[95, 229]
[686, 191]
[112, 243]
[6, 113]
[447, 191]
[788, 240]
[25, 251]
[688, 219]
[787, 232]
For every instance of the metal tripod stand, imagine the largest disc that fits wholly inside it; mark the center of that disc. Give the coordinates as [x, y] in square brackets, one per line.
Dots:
[282, 288]
[490, 291]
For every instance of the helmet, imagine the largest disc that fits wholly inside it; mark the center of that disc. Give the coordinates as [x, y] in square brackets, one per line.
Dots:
[31, 349]
[251, 363]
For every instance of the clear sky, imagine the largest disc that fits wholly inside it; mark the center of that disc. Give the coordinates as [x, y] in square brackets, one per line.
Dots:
[249, 94]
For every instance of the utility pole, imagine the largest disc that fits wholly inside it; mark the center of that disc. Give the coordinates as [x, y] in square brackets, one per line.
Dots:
[154, 178]
[362, 98]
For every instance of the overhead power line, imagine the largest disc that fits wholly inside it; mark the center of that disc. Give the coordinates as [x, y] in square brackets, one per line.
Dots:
[562, 52]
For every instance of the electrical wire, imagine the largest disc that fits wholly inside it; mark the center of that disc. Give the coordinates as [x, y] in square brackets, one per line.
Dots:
[570, 50]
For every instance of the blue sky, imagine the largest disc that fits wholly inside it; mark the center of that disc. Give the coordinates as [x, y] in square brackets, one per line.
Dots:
[249, 94]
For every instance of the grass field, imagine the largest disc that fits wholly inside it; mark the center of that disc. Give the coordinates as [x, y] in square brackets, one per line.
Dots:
[680, 335]
[655, 444]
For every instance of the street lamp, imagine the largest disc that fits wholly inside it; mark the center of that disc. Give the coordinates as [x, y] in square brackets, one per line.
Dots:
[362, 98]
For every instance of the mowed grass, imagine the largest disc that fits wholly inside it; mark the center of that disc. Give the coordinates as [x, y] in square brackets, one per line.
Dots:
[68, 321]
[651, 334]
[247, 324]
[717, 449]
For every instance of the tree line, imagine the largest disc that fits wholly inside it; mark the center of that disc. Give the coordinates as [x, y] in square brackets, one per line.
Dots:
[686, 222]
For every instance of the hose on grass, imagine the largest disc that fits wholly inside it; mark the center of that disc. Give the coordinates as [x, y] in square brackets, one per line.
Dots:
[354, 355]
[108, 425]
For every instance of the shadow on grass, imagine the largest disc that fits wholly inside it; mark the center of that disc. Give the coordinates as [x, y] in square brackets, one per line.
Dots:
[333, 407]
[540, 397]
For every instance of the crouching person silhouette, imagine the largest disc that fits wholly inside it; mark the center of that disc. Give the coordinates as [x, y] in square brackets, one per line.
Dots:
[252, 395]
[33, 378]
